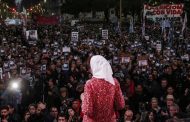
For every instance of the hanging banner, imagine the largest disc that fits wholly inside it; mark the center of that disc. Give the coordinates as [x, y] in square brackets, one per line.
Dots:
[164, 10]
[51, 20]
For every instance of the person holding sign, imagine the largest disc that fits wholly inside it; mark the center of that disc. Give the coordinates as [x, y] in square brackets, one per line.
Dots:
[102, 95]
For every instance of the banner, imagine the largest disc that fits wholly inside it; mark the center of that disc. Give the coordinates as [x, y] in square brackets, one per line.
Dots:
[51, 20]
[13, 21]
[74, 36]
[162, 11]
[104, 34]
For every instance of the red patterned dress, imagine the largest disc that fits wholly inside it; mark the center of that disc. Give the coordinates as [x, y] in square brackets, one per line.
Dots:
[101, 101]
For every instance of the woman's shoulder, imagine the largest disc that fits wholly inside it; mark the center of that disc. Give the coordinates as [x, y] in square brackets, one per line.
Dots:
[116, 81]
[97, 80]
[90, 81]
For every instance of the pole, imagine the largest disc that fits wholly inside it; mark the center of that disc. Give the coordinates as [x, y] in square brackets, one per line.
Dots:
[120, 4]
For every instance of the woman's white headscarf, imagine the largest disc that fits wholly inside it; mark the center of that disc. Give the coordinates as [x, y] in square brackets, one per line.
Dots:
[101, 68]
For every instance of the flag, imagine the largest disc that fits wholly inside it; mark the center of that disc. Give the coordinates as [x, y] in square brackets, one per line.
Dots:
[24, 16]
[24, 11]
[171, 35]
[184, 24]
[164, 35]
[163, 25]
[131, 28]
[143, 26]
[118, 28]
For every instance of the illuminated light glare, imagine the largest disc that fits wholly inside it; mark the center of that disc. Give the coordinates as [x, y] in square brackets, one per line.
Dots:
[14, 85]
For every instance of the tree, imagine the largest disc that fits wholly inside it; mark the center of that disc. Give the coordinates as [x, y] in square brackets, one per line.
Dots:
[76, 6]
[11, 3]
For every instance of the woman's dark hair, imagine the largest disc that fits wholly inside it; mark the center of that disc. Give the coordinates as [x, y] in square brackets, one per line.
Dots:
[154, 116]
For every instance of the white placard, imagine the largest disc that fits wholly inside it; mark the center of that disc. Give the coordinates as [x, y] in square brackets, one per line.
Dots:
[125, 59]
[66, 49]
[32, 34]
[185, 57]
[147, 38]
[158, 47]
[74, 36]
[143, 63]
[104, 34]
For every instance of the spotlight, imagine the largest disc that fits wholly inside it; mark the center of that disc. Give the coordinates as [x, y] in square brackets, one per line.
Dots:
[15, 84]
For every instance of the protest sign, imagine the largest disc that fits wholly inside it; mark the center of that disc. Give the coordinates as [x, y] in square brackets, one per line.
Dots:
[74, 36]
[105, 34]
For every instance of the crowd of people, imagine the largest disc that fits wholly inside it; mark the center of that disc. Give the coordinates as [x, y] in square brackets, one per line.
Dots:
[153, 72]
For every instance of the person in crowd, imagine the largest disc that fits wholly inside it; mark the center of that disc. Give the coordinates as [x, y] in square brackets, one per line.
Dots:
[155, 106]
[102, 94]
[32, 109]
[13, 114]
[129, 88]
[173, 111]
[72, 117]
[139, 99]
[163, 90]
[64, 99]
[76, 106]
[52, 94]
[62, 118]
[5, 114]
[26, 116]
[128, 117]
[53, 115]
[151, 117]
[41, 113]
[165, 110]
